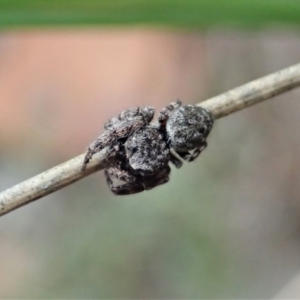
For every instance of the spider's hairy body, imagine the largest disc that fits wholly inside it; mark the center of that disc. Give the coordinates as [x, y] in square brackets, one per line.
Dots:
[143, 146]
[140, 152]
[134, 168]
[187, 129]
[118, 128]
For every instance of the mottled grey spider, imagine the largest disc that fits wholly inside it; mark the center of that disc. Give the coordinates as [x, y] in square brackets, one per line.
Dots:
[140, 152]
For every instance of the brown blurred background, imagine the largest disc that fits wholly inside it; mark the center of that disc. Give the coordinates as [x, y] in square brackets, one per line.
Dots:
[225, 226]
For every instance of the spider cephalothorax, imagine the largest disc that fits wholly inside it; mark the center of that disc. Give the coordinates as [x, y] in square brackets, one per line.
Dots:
[140, 152]
[187, 128]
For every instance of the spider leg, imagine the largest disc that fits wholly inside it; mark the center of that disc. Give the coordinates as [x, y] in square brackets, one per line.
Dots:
[175, 161]
[100, 143]
[129, 186]
[114, 151]
[144, 114]
[110, 137]
[125, 115]
[127, 189]
[115, 173]
[166, 112]
[127, 128]
[186, 155]
[197, 151]
[149, 182]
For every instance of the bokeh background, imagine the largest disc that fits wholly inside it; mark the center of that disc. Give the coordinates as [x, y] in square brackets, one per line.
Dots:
[225, 226]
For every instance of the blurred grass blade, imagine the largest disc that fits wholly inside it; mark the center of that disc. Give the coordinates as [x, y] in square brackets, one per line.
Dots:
[185, 14]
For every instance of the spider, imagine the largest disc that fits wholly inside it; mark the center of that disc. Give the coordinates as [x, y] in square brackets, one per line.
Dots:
[140, 151]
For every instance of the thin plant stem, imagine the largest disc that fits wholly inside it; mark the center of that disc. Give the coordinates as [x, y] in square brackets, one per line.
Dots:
[66, 173]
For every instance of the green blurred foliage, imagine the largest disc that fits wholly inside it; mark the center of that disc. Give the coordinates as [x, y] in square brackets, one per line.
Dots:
[180, 13]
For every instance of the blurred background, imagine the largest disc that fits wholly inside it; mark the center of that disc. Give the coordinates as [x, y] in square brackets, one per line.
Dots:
[225, 226]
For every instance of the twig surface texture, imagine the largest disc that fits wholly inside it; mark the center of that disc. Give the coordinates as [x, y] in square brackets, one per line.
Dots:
[222, 105]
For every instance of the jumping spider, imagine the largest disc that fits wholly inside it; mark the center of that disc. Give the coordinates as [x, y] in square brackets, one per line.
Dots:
[140, 152]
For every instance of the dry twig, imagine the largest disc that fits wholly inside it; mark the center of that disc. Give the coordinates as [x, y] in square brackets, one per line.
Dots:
[222, 105]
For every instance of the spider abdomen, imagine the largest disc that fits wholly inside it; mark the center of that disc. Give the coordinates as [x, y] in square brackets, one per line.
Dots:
[147, 151]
